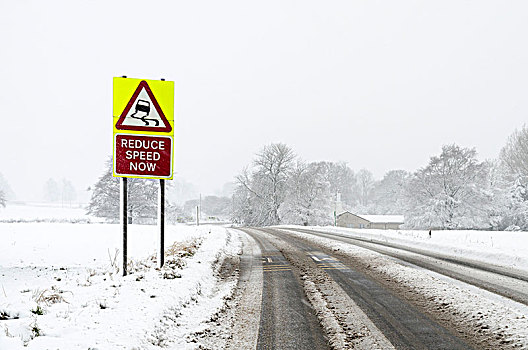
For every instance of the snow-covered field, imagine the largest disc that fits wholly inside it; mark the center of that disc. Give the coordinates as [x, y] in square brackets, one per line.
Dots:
[502, 248]
[61, 288]
[44, 212]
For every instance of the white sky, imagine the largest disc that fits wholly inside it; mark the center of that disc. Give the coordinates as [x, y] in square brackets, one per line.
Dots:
[377, 84]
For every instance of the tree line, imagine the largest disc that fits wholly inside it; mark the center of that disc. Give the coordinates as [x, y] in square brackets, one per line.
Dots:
[53, 191]
[453, 191]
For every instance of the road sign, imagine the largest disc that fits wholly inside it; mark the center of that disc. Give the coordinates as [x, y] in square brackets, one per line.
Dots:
[143, 118]
[143, 112]
[143, 155]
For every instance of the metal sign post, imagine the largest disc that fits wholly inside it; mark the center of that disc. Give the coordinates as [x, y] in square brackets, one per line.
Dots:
[161, 223]
[124, 220]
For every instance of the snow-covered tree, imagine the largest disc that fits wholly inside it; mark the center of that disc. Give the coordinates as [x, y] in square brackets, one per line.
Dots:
[243, 212]
[142, 198]
[364, 187]
[341, 180]
[52, 192]
[68, 191]
[264, 185]
[510, 187]
[515, 215]
[211, 205]
[308, 196]
[181, 191]
[448, 192]
[174, 214]
[388, 194]
[514, 155]
[2, 199]
[6, 189]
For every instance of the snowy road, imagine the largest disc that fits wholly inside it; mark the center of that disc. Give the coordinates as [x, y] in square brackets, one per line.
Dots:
[510, 283]
[365, 300]
[366, 314]
[287, 320]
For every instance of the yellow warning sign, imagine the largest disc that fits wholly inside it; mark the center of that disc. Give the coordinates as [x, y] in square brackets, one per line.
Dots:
[143, 106]
[143, 125]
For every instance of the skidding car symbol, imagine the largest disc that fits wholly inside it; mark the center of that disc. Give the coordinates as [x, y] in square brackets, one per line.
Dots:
[142, 112]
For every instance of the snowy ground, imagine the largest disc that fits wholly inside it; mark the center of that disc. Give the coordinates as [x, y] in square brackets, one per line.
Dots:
[60, 287]
[44, 212]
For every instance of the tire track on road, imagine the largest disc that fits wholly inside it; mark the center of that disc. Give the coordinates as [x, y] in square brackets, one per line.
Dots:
[287, 319]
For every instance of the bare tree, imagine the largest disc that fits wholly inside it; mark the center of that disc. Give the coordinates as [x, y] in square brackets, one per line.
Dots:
[265, 184]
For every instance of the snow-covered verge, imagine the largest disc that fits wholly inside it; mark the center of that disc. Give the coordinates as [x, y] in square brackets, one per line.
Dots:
[498, 321]
[61, 288]
[502, 248]
[45, 212]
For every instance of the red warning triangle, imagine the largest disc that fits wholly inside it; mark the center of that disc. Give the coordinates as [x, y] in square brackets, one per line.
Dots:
[143, 113]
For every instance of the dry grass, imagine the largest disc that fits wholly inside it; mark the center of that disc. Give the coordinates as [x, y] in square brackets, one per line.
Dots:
[48, 297]
[114, 266]
[6, 331]
[174, 259]
[183, 249]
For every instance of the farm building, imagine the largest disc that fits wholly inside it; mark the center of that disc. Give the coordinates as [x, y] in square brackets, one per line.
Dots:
[384, 222]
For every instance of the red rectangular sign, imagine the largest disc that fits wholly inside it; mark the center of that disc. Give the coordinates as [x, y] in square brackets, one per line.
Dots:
[145, 156]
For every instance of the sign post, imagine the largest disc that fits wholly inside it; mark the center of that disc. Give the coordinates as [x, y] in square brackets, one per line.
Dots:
[143, 124]
[123, 214]
[161, 223]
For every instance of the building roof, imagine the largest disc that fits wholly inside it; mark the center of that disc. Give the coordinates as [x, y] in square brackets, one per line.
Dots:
[380, 219]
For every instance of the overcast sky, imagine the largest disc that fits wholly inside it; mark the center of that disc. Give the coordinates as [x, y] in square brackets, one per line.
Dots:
[378, 84]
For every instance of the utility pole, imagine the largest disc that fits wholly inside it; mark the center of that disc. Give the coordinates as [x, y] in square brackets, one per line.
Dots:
[335, 211]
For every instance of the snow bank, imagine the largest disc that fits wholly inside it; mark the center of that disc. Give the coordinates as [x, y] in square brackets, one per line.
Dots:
[60, 288]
